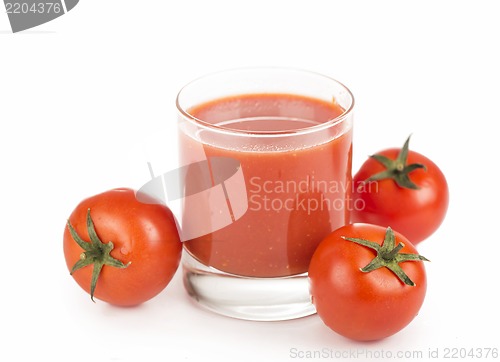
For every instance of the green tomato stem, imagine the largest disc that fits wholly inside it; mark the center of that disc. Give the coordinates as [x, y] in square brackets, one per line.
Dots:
[95, 253]
[397, 169]
[388, 256]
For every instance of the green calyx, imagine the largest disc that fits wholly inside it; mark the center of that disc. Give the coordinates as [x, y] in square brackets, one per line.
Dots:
[388, 256]
[95, 252]
[397, 169]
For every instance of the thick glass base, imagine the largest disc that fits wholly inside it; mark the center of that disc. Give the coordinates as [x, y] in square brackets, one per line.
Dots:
[258, 299]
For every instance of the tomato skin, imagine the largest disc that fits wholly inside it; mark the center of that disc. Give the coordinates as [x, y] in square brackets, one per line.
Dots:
[357, 305]
[143, 234]
[414, 213]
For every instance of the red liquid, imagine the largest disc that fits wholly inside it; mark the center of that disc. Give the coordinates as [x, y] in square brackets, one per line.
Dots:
[295, 196]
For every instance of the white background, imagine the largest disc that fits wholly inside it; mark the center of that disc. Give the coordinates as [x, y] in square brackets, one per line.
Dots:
[79, 96]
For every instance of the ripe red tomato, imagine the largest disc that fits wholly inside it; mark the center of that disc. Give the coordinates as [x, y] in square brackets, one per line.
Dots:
[121, 250]
[403, 189]
[364, 294]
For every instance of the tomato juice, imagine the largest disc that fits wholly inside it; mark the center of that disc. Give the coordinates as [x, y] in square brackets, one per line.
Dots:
[295, 154]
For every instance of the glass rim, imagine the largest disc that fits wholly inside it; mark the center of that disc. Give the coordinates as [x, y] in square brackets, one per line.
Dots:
[236, 132]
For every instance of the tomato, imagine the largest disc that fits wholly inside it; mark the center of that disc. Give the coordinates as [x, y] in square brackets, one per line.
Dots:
[121, 250]
[367, 282]
[403, 189]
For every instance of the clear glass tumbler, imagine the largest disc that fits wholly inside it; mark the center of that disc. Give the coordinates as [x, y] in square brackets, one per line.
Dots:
[266, 159]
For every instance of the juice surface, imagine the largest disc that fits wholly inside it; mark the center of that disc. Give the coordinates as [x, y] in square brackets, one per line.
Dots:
[295, 196]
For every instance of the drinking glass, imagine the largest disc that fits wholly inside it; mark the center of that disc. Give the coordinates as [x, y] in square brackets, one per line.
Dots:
[266, 158]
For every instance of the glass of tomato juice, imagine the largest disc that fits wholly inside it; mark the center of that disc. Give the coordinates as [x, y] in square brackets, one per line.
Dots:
[267, 157]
